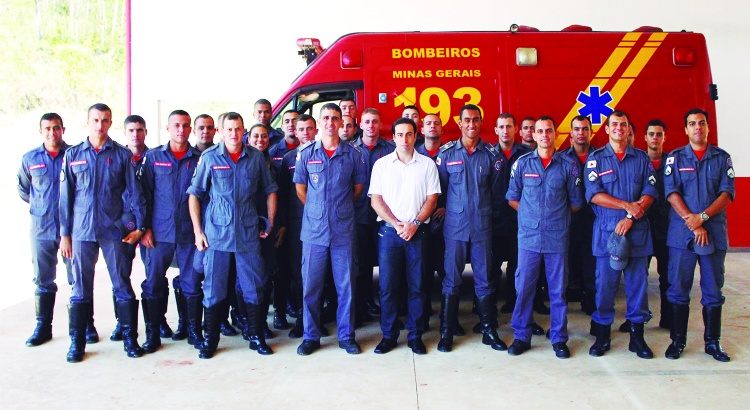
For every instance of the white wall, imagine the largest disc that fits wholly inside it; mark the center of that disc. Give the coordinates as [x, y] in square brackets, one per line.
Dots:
[213, 56]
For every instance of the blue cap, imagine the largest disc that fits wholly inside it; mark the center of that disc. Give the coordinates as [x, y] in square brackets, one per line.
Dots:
[701, 250]
[126, 224]
[264, 224]
[619, 251]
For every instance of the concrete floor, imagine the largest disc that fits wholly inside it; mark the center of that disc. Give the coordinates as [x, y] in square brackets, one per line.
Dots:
[473, 375]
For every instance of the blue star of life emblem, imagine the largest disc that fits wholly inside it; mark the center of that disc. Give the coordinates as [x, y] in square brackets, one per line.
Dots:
[595, 104]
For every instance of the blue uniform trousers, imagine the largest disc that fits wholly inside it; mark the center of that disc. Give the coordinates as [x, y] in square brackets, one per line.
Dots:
[529, 266]
[315, 259]
[455, 262]
[607, 283]
[251, 277]
[398, 260]
[293, 252]
[85, 255]
[158, 259]
[682, 271]
[44, 260]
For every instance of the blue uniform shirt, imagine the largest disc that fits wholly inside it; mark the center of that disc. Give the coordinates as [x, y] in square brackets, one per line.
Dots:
[165, 181]
[545, 196]
[699, 183]
[231, 218]
[471, 185]
[277, 152]
[658, 213]
[584, 218]
[39, 186]
[505, 218]
[91, 191]
[329, 211]
[137, 164]
[364, 214]
[292, 207]
[628, 180]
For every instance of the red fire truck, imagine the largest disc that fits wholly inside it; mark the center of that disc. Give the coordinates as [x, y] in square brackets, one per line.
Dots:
[647, 73]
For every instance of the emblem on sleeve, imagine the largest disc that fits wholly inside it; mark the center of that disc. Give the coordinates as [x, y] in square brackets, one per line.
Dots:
[668, 169]
[730, 173]
[652, 180]
[438, 160]
[578, 181]
[729, 162]
[591, 164]
[62, 175]
[593, 176]
[670, 160]
[651, 167]
[575, 172]
[498, 165]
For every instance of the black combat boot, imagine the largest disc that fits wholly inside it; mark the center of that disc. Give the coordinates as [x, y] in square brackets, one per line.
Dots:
[488, 318]
[78, 315]
[45, 306]
[223, 313]
[448, 312]
[152, 317]
[116, 335]
[128, 312]
[678, 333]
[296, 298]
[638, 343]
[92, 336]
[181, 303]
[264, 308]
[665, 312]
[212, 321]
[194, 318]
[602, 343]
[712, 334]
[240, 315]
[255, 319]
[164, 330]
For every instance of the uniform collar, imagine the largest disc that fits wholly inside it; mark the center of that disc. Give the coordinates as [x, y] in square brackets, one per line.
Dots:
[223, 150]
[107, 144]
[416, 157]
[62, 150]
[629, 151]
[165, 148]
[460, 145]
[359, 143]
[341, 148]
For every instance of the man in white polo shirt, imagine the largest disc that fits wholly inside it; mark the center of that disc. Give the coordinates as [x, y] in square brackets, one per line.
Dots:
[403, 189]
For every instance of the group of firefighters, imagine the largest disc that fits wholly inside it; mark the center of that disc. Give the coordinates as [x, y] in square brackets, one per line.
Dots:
[301, 216]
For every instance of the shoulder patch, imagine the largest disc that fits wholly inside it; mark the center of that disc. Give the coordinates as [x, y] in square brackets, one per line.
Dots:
[438, 161]
[651, 167]
[492, 149]
[593, 176]
[670, 160]
[730, 173]
[652, 180]
[447, 145]
[591, 164]
[729, 162]
[668, 170]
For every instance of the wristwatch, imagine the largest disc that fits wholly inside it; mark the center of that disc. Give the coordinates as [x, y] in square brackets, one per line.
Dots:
[142, 229]
[629, 216]
[704, 216]
[417, 222]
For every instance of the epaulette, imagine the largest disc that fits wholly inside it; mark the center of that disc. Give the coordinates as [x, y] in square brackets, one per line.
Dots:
[596, 151]
[211, 148]
[492, 149]
[447, 145]
[305, 145]
[358, 149]
[721, 151]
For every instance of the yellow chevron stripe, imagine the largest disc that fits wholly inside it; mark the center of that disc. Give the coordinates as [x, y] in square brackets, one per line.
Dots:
[608, 69]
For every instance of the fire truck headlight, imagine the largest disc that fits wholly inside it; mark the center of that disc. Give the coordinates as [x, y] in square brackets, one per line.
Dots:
[526, 56]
